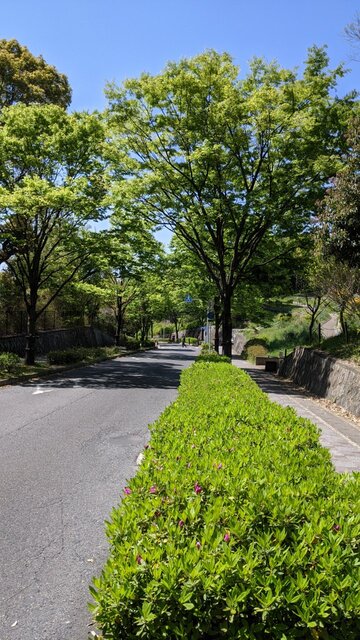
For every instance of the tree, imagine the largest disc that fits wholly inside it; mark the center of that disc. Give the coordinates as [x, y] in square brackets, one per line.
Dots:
[340, 209]
[51, 177]
[225, 163]
[28, 79]
[341, 285]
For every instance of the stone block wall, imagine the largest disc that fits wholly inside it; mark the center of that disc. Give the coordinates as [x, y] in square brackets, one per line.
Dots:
[324, 376]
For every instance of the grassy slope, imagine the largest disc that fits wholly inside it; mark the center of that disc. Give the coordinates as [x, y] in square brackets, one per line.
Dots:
[285, 326]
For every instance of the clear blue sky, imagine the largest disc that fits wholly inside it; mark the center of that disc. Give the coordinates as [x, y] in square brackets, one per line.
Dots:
[95, 41]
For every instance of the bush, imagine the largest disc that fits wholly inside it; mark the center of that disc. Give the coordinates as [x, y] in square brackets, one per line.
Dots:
[131, 343]
[213, 357]
[66, 356]
[236, 525]
[80, 354]
[255, 347]
[191, 340]
[10, 363]
[207, 348]
[149, 344]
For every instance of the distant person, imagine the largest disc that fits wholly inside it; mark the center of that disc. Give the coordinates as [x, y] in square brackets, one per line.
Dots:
[183, 341]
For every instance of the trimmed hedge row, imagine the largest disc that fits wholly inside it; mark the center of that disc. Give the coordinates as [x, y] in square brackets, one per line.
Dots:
[235, 526]
[80, 354]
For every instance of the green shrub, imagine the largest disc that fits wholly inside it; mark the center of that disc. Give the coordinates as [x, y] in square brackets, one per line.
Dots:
[236, 525]
[80, 354]
[255, 347]
[207, 348]
[131, 343]
[149, 344]
[213, 356]
[191, 340]
[66, 356]
[9, 363]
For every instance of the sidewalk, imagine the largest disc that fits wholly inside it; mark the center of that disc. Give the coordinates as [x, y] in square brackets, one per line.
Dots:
[339, 435]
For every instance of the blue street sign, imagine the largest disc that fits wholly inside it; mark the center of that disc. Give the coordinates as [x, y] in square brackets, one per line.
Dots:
[188, 298]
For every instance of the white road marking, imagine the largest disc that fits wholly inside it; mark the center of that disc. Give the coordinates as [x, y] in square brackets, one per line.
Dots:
[40, 389]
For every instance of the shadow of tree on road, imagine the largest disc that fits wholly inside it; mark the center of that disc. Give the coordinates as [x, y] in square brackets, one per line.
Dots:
[158, 369]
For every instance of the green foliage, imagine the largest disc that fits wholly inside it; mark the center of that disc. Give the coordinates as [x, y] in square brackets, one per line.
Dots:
[28, 79]
[255, 347]
[233, 166]
[80, 354]
[131, 343]
[207, 348]
[339, 213]
[339, 348]
[190, 340]
[212, 356]
[236, 525]
[9, 363]
[148, 344]
[51, 185]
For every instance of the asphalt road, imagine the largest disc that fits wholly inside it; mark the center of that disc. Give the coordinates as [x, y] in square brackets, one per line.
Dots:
[67, 447]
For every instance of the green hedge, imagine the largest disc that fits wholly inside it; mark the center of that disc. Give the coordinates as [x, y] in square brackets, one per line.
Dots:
[80, 354]
[212, 356]
[235, 526]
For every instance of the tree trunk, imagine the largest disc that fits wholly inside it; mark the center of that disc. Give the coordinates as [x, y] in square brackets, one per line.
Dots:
[176, 330]
[217, 319]
[119, 320]
[31, 336]
[227, 324]
[311, 327]
[342, 319]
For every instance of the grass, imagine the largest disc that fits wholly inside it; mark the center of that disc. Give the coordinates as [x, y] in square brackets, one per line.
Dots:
[338, 348]
[286, 326]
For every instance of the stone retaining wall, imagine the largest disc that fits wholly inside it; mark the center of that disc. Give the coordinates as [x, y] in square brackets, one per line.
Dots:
[58, 339]
[324, 376]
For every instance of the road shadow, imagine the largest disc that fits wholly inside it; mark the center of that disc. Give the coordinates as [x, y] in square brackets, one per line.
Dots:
[158, 369]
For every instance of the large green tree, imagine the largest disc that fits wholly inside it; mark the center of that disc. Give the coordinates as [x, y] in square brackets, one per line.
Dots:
[29, 79]
[340, 209]
[51, 186]
[223, 162]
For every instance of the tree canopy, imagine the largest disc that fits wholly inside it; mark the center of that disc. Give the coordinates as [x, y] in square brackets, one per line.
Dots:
[51, 185]
[340, 209]
[224, 162]
[29, 79]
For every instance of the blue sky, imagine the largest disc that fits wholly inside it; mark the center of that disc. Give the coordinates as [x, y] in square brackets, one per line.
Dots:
[95, 41]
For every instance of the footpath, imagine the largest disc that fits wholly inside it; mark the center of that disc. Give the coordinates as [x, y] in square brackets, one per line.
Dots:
[340, 435]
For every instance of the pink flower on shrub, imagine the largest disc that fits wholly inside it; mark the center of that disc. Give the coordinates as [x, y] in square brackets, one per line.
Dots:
[219, 466]
[336, 527]
[139, 559]
[127, 491]
[181, 523]
[198, 545]
[153, 488]
[227, 537]
[197, 488]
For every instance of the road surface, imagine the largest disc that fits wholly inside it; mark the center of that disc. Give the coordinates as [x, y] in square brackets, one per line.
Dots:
[67, 447]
